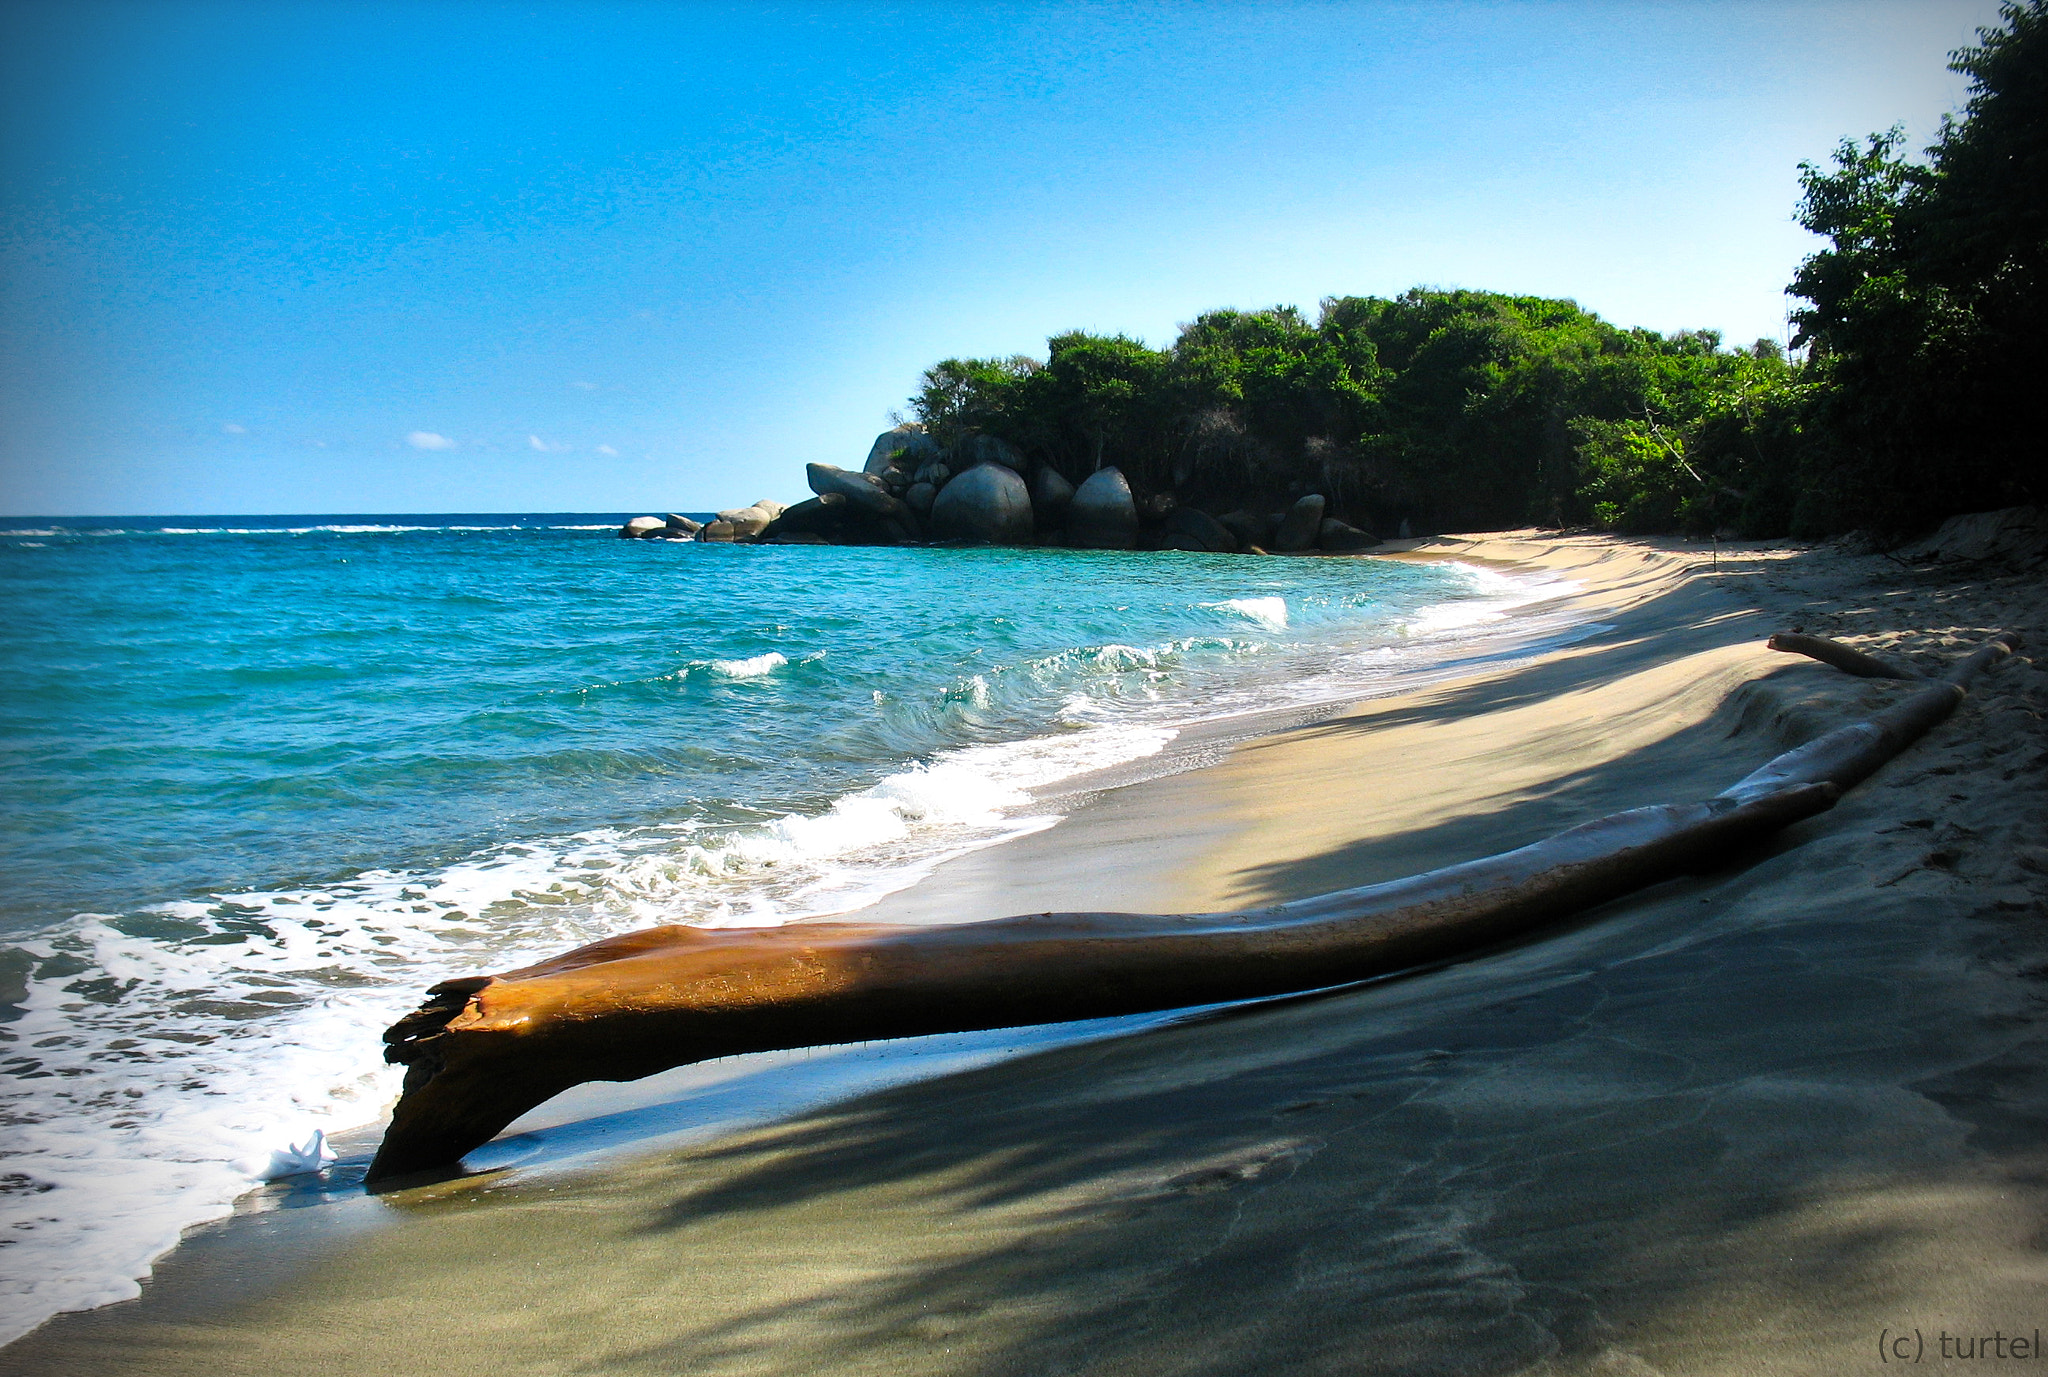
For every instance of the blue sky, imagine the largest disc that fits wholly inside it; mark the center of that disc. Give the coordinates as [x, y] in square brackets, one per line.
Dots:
[389, 257]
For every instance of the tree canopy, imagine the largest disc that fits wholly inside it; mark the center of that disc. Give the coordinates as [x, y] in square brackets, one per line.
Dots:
[1925, 315]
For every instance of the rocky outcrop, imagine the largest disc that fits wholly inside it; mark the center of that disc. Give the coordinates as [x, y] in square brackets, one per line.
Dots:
[1250, 529]
[1051, 494]
[745, 522]
[983, 490]
[815, 517]
[862, 490]
[1342, 538]
[1103, 515]
[1299, 528]
[987, 505]
[1189, 528]
[906, 447]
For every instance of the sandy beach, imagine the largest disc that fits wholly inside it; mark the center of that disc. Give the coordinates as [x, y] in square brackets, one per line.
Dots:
[1766, 1120]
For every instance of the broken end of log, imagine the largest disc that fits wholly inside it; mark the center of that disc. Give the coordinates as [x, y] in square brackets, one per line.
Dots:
[461, 1091]
[1995, 651]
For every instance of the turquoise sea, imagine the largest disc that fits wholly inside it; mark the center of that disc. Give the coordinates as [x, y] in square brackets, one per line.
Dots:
[266, 779]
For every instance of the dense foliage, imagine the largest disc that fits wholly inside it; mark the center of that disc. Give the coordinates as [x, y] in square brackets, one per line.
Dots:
[1475, 410]
[1452, 410]
[1925, 318]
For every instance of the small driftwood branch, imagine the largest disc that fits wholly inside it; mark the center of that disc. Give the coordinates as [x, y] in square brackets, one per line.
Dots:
[1848, 659]
[483, 1050]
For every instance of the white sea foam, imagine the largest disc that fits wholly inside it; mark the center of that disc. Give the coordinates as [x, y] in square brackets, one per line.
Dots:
[311, 530]
[751, 668]
[1270, 612]
[1493, 597]
[165, 1077]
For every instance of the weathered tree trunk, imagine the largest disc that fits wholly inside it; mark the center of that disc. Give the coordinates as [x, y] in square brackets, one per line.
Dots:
[1846, 658]
[483, 1050]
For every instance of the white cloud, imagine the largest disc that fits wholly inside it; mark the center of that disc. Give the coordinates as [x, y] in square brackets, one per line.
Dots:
[230, 428]
[426, 439]
[606, 449]
[537, 443]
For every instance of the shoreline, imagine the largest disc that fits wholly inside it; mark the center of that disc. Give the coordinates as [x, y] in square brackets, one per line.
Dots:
[1674, 700]
[824, 858]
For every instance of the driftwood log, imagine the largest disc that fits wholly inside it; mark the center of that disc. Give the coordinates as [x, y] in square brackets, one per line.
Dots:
[485, 1049]
[1848, 659]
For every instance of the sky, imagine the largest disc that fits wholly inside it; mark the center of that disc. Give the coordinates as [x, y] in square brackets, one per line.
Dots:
[489, 257]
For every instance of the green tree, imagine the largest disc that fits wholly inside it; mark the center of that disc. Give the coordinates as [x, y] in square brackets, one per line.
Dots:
[1924, 314]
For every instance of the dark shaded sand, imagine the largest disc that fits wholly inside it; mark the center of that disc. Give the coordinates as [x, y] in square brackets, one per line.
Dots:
[1753, 1122]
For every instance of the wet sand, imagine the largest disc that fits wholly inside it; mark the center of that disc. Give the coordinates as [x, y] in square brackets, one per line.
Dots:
[1757, 1121]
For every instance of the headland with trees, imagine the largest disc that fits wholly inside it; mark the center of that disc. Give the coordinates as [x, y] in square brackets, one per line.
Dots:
[1914, 390]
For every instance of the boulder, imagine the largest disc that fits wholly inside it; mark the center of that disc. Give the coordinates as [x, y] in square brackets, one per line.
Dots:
[934, 473]
[1190, 528]
[988, 504]
[771, 506]
[795, 538]
[1050, 494]
[1102, 515]
[641, 527]
[746, 522]
[908, 440]
[862, 490]
[1339, 535]
[682, 525]
[820, 516]
[919, 498]
[1299, 527]
[1249, 529]
[716, 531]
[971, 450]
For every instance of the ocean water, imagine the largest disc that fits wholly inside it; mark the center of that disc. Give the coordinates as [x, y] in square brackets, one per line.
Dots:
[266, 780]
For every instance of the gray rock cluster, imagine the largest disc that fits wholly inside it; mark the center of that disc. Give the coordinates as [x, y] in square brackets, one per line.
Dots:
[983, 491]
[740, 524]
